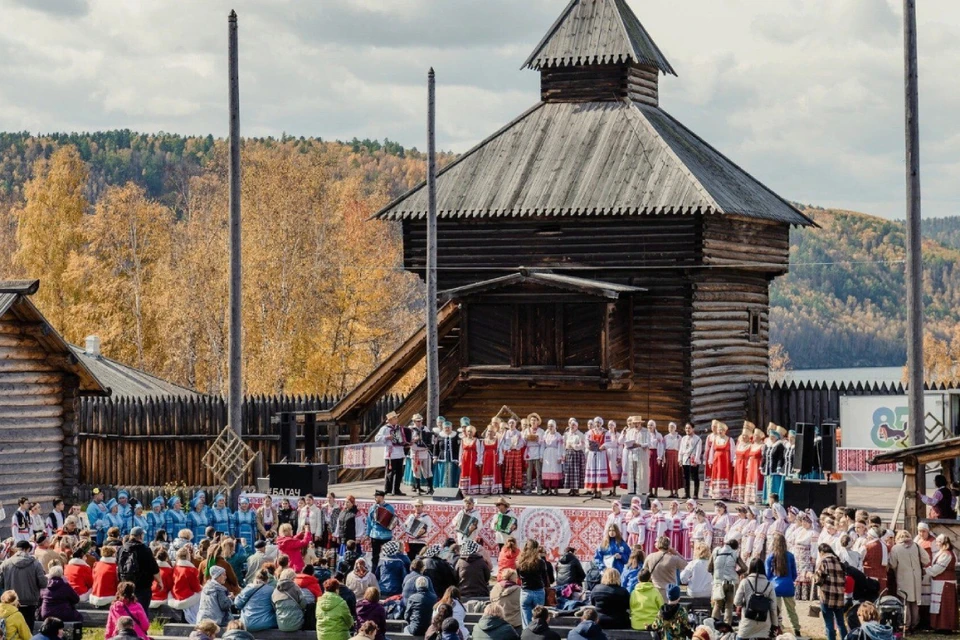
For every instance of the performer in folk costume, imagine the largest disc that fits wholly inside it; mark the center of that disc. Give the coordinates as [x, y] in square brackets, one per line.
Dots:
[377, 530]
[655, 457]
[552, 452]
[679, 533]
[722, 467]
[244, 525]
[760, 537]
[747, 534]
[470, 460]
[222, 517]
[928, 543]
[113, 517]
[875, 558]
[720, 523]
[533, 454]
[708, 453]
[574, 460]
[741, 456]
[512, 449]
[20, 527]
[753, 475]
[941, 502]
[155, 518]
[691, 455]
[617, 517]
[394, 437]
[772, 466]
[789, 453]
[491, 460]
[657, 525]
[503, 509]
[804, 542]
[418, 470]
[636, 523]
[642, 465]
[629, 456]
[328, 536]
[197, 518]
[125, 510]
[701, 532]
[174, 518]
[672, 478]
[138, 519]
[446, 456]
[417, 529]
[943, 589]
[614, 457]
[735, 531]
[469, 513]
[597, 478]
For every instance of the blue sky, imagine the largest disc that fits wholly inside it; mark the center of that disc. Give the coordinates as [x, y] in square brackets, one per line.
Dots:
[806, 95]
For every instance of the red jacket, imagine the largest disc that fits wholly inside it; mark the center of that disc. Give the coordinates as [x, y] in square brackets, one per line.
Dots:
[310, 583]
[159, 597]
[79, 575]
[186, 588]
[104, 582]
[293, 547]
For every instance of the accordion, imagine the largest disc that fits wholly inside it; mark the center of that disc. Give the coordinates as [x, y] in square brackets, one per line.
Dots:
[504, 523]
[385, 518]
[417, 528]
[466, 523]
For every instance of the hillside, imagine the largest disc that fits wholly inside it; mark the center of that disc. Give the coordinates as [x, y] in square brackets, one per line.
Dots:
[842, 303]
[325, 298]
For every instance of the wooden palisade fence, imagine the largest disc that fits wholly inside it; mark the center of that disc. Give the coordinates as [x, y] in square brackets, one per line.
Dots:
[151, 442]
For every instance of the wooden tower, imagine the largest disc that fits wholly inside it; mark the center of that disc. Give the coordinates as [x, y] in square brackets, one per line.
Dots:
[597, 257]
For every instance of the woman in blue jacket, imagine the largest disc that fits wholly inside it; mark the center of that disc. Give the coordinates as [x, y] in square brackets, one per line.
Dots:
[174, 519]
[222, 517]
[781, 569]
[155, 519]
[197, 519]
[393, 568]
[113, 517]
[245, 524]
[613, 553]
[255, 603]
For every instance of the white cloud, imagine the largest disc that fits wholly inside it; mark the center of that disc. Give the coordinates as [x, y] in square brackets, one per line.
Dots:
[804, 95]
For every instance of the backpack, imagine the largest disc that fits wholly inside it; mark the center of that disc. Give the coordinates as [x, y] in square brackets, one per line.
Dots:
[128, 566]
[592, 578]
[3, 629]
[758, 605]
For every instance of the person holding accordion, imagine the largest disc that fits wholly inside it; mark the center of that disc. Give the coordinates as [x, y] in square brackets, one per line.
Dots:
[504, 522]
[417, 528]
[380, 522]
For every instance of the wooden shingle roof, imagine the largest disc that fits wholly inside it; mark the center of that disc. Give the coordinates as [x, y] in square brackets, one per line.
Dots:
[594, 159]
[597, 32]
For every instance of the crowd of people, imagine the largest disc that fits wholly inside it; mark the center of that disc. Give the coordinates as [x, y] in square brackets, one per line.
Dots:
[519, 455]
[304, 567]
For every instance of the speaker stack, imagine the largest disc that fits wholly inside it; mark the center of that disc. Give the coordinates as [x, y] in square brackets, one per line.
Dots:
[816, 451]
[299, 478]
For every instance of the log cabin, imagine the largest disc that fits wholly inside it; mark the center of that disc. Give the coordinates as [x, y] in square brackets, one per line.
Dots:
[41, 378]
[595, 256]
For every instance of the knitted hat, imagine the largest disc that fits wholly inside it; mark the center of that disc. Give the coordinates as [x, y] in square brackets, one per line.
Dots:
[469, 548]
[391, 548]
[216, 571]
[673, 593]
[432, 551]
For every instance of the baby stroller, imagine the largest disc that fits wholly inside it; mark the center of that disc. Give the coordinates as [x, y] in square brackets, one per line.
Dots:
[892, 612]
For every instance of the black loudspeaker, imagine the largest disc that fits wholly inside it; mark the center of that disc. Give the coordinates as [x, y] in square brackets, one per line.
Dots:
[299, 479]
[309, 437]
[288, 438]
[803, 460]
[828, 447]
[814, 494]
[644, 501]
[447, 494]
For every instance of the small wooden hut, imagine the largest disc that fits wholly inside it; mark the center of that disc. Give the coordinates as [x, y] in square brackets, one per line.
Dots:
[596, 256]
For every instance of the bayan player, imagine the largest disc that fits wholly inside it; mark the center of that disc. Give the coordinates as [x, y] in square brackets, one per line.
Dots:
[380, 522]
[417, 528]
[504, 522]
[467, 522]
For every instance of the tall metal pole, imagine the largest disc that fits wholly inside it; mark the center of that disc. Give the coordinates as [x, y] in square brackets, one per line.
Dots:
[433, 366]
[914, 256]
[235, 373]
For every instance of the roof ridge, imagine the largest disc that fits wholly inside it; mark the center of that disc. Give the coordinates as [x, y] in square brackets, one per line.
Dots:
[132, 368]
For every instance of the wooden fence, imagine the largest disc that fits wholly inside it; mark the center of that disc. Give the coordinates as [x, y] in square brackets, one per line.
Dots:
[154, 442]
[790, 403]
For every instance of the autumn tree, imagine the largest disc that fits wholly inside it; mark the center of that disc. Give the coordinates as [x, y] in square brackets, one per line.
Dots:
[49, 230]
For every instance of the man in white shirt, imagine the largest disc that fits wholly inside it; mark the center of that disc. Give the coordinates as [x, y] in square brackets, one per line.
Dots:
[20, 523]
[533, 438]
[469, 511]
[691, 455]
[393, 437]
[310, 514]
[503, 507]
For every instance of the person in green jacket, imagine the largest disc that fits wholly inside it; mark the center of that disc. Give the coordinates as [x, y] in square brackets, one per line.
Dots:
[334, 621]
[645, 602]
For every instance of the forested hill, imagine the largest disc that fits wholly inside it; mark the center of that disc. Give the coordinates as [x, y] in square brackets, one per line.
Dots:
[326, 300]
[842, 305]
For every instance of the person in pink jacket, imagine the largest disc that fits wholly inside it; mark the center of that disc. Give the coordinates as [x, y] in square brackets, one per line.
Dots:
[126, 605]
[293, 546]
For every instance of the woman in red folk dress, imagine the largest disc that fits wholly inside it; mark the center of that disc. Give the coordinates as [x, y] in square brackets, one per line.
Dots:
[597, 478]
[875, 558]
[741, 453]
[753, 476]
[469, 462]
[722, 470]
[491, 459]
[512, 445]
[943, 587]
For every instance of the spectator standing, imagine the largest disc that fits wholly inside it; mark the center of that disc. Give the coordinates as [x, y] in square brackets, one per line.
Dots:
[755, 594]
[125, 604]
[58, 599]
[663, 565]
[25, 576]
[613, 552]
[534, 580]
[725, 566]
[136, 564]
[294, 546]
[781, 569]
[831, 578]
[907, 560]
[333, 615]
[611, 601]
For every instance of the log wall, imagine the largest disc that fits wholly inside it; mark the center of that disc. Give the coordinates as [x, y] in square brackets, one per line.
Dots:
[36, 399]
[599, 83]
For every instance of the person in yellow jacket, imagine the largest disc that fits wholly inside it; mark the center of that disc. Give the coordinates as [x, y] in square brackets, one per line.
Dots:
[16, 626]
[645, 602]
